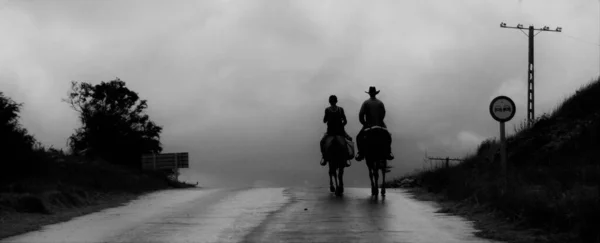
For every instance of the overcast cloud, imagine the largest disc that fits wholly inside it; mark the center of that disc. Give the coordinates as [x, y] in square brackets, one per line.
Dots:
[241, 85]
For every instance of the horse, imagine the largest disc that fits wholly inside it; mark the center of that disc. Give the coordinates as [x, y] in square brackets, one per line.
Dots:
[336, 154]
[376, 142]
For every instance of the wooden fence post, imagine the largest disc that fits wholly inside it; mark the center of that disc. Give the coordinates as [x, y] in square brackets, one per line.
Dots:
[176, 167]
[154, 161]
[175, 155]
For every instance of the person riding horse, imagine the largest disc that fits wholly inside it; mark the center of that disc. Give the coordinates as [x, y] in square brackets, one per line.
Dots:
[336, 120]
[372, 113]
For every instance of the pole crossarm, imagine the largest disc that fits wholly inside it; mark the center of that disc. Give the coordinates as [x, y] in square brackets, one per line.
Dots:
[520, 27]
[530, 66]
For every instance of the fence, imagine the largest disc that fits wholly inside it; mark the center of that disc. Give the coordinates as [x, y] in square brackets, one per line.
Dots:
[445, 161]
[166, 161]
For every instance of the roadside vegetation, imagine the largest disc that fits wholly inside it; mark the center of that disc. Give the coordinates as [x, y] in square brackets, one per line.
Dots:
[553, 175]
[102, 161]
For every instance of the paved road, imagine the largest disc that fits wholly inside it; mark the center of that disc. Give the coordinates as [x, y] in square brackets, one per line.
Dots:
[262, 215]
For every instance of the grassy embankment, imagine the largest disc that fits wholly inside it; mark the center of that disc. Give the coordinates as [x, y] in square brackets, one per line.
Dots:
[553, 191]
[69, 186]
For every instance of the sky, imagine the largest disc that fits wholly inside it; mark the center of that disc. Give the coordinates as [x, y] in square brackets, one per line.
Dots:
[241, 85]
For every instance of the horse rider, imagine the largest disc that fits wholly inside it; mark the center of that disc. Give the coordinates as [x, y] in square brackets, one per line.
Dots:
[371, 114]
[336, 120]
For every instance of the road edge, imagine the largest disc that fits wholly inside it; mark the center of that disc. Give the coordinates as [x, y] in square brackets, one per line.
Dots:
[15, 223]
[488, 223]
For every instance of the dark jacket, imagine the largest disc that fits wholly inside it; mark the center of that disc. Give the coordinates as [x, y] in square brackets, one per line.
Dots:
[372, 113]
[336, 120]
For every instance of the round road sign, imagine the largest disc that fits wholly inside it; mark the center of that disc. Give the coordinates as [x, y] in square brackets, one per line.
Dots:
[502, 109]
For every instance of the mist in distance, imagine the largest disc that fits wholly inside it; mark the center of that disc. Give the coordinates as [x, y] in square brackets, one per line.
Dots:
[242, 85]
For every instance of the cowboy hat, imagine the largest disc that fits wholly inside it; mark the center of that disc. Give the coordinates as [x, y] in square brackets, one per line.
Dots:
[372, 90]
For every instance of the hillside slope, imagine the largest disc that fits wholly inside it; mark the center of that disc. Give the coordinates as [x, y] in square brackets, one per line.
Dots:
[553, 172]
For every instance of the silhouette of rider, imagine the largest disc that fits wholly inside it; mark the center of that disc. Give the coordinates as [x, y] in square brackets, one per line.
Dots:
[336, 120]
[371, 114]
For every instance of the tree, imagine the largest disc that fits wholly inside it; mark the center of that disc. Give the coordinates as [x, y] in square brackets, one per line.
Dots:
[16, 145]
[114, 126]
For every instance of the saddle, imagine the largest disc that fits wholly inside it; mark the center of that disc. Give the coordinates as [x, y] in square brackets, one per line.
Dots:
[328, 140]
[375, 127]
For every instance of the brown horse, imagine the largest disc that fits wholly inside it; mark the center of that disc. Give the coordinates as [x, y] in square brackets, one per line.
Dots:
[376, 142]
[336, 154]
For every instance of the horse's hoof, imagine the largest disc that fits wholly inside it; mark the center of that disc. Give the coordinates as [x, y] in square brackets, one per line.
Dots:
[374, 191]
[341, 190]
[332, 189]
[383, 191]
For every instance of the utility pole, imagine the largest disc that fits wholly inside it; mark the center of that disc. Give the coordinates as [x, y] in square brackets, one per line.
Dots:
[530, 93]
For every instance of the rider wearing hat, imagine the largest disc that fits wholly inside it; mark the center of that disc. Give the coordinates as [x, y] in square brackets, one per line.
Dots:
[371, 114]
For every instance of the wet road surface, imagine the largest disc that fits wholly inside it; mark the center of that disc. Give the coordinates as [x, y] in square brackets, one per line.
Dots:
[262, 215]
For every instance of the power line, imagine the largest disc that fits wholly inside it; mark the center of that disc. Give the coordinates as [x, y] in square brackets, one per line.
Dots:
[582, 40]
[445, 159]
[530, 93]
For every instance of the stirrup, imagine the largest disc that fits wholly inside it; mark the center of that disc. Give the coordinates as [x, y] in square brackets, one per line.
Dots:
[359, 157]
[323, 162]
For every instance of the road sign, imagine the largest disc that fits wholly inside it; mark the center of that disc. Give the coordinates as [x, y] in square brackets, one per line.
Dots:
[502, 109]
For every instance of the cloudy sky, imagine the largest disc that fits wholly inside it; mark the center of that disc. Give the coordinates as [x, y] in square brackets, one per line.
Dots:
[241, 85]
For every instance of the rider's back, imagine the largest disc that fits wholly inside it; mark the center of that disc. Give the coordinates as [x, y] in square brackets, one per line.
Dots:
[372, 112]
[335, 120]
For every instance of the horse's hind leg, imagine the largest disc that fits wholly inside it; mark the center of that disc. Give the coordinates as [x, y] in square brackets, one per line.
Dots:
[376, 178]
[337, 183]
[341, 179]
[331, 175]
[371, 179]
[383, 179]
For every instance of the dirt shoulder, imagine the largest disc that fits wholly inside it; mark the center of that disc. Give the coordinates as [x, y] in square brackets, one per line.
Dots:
[15, 223]
[488, 223]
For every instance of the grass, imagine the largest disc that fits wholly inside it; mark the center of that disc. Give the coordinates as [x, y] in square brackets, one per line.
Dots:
[553, 173]
[12, 223]
[71, 186]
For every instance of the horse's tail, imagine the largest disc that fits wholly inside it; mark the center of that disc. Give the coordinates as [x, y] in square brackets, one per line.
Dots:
[336, 150]
[377, 142]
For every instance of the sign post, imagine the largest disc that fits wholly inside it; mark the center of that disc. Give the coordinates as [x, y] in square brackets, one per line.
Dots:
[502, 110]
